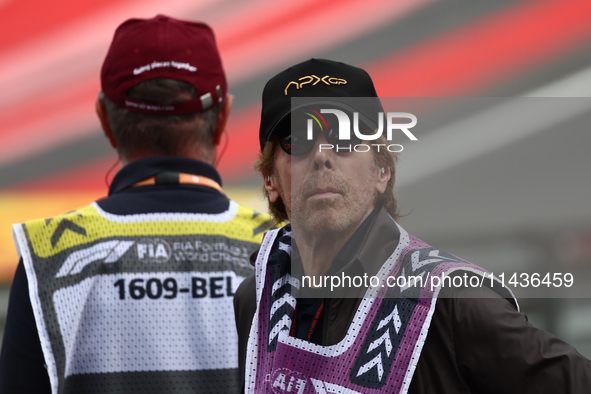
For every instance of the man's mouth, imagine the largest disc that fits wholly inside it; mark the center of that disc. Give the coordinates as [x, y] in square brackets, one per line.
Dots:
[323, 192]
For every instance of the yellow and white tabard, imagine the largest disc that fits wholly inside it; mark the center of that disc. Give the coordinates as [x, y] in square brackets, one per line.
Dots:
[139, 298]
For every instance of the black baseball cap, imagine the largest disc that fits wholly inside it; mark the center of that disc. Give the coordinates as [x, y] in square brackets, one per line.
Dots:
[312, 78]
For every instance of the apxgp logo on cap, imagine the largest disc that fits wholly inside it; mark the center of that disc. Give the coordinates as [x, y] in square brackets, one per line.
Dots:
[327, 79]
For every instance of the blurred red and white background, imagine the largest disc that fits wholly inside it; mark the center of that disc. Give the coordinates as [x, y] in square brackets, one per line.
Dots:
[54, 158]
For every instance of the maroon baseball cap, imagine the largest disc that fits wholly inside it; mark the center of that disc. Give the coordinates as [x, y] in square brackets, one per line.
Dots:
[163, 47]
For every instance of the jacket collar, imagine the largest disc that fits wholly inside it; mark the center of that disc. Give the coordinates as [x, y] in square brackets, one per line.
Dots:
[141, 169]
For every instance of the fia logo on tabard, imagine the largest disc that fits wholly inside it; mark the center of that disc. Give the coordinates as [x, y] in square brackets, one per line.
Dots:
[286, 381]
[153, 250]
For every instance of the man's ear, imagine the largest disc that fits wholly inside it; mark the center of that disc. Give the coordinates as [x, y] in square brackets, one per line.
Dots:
[384, 175]
[271, 187]
[223, 117]
[102, 114]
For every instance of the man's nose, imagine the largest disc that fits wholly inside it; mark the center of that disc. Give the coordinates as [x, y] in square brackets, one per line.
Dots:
[323, 155]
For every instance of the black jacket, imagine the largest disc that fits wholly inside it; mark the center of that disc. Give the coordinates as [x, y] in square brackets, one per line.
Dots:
[477, 342]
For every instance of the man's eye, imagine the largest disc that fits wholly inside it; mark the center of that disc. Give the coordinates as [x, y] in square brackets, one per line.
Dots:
[355, 140]
[333, 135]
[299, 137]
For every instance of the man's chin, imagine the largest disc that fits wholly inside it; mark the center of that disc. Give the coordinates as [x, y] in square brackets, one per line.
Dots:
[318, 208]
[322, 221]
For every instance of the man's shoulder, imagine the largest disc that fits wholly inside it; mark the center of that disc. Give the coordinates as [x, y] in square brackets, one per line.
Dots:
[246, 292]
[76, 212]
[256, 223]
[245, 305]
[71, 220]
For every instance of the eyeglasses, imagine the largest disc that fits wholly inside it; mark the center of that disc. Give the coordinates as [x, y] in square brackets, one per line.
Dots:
[297, 143]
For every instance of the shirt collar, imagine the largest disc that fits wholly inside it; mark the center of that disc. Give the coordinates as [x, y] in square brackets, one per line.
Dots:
[141, 169]
[356, 240]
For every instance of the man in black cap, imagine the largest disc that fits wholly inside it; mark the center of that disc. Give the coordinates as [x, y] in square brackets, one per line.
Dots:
[133, 293]
[416, 337]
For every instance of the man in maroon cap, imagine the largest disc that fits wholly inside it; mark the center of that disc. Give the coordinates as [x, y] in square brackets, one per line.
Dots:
[133, 293]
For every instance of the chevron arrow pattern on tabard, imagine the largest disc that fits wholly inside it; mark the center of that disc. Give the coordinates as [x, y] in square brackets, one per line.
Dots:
[417, 263]
[64, 225]
[286, 299]
[394, 317]
[284, 304]
[385, 339]
[374, 362]
[281, 325]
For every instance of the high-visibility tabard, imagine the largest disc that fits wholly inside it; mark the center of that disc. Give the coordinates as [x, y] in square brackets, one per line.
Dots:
[385, 338]
[142, 301]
